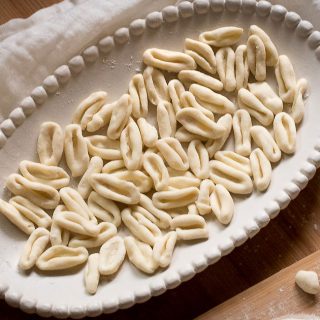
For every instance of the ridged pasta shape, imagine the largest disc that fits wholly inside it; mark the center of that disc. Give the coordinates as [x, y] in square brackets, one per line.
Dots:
[198, 159]
[297, 109]
[221, 37]
[149, 133]
[241, 67]
[242, 124]
[58, 235]
[91, 273]
[102, 117]
[234, 160]
[163, 249]
[183, 181]
[256, 55]
[175, 89]
[226, 60]
[183, 135]
[103, 147]
[203, 201]
[139, 97]
[166, 119]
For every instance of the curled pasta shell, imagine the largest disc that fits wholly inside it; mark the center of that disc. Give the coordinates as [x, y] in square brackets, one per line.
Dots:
[216, 144]
[103, 147]
[173, 153]
[58, 235]
[102, 117]
[203, 201]
[226, 68]
[175, 198]
[256, 54]
[202, 54]
[16, 218]
[112, 254]
[175, 89]
[232, 179]
[140, 255]
[286, 79]
[242, 67]
[50, 143]
[265, 141]
[88, 108]
[61, 258]
[113, 188]
[222, 37]
[222, 204]
[163, 249]
[149, 133]
[297, 110]
[172, 61]
[156, 85]
[190, 227]
[106, 231]
[33, 248]
[198, 159]
[215, 102]
[31, 211]
[91, 273]
[271, 50]
[234, 160]
[248, 101]
[241, 129]
[267, 96]
[138, 94]
[183, 135]
[131, 146]
[261, 169]
[104, 209]
[166, 119]
[285, 132]
[75, 150]
[53, 176]
[40, 194]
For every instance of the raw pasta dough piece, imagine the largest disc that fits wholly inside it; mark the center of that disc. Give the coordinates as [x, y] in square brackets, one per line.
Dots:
[297, 110]
[88, 108]
[91, 273]
[242, 67]
[183, 135]
[102, 117]
[222, 37]
[114, 166]
[149, 133]
[198, 159]
[166, 119]
[308, 281]
[285, 132]
[183, 181]
[175, 89]
[241, 129]
[172, 61]
[75, 150]
[265, 141]
[58, 235]
[163, 249]
[226, 68]
[256, 54]
[139, 178]
[138, 94]
[40, 194]
[50, 143]
[61, 258]
[203, 201]
[33, 248]
[103, 147]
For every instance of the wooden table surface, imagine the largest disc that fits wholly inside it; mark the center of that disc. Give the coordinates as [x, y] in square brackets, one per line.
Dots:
[293, 235]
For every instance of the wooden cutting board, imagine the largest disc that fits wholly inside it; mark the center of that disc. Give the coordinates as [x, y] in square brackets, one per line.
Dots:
[274, 297]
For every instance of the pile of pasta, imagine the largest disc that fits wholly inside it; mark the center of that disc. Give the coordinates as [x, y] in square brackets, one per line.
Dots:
[157, 180]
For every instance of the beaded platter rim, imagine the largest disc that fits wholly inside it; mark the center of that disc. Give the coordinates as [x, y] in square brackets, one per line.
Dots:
[77, 64]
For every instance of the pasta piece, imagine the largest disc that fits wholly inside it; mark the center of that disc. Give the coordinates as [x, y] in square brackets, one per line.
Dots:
[58, 235]
[222, 204]
[112, 255]
[149, 133]
[91, 273]
[307, 281]
[261, 169]
[215, 102]
[267, 96]
[88, 108]
[199, 159]
[156, 85]
[40, 194]
[190, 227]
[271, 50]
[222, 37]
[52, 176]
[61, 258]
[106, 231]
[16, 218]
[285, 132]
[131, 146]
[113, 188]
[242, 67]
[104, 209]
[50, 143]
[183, 135]
[203, 201]
[256, 55]
[103, 147]
[138, 94]
[114, 166]
[241, 129]
[182, 182]
[216, 144]
[265, 141]
[163, 249]
[140, 255]
[175, 89]
[286, 79]
[248, 101]
[226, 68]
[166, 119]
[175, 198]
[102, 117]
[297, 110]
[75, 150]
[232, 179]
[173, 153]
[171, 61]
[33, 248]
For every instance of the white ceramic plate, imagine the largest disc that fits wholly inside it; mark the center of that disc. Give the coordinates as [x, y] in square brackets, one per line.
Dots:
[109, 66]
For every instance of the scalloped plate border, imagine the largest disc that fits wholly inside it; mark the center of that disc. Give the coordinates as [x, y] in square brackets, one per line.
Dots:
[77, 64]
